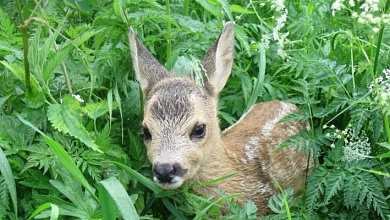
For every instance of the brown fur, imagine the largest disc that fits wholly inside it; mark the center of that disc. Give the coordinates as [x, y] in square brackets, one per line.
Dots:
[176, 107]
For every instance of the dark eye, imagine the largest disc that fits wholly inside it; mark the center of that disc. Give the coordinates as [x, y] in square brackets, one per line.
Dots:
[147, 135]
[199, 131]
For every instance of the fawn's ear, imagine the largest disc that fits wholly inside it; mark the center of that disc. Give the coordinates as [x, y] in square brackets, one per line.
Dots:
[147, 68]
[218, 60]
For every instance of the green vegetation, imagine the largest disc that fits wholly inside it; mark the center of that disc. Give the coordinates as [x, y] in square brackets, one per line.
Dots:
[70, 108]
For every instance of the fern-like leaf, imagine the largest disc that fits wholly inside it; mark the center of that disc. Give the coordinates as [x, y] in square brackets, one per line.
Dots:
[316, 187]
[334, 182]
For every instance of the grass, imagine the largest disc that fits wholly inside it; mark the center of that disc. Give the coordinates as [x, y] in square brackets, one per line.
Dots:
[61, 158]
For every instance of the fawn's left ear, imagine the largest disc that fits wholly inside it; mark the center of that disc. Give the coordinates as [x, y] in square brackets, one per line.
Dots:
[218, 60]
[147, 68]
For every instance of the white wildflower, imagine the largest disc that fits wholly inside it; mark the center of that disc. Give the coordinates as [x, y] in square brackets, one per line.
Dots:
[387, 73]
[278, 5]
[78, 98]
[337, 6]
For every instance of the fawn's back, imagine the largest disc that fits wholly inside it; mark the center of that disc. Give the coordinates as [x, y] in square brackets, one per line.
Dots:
[183, 139]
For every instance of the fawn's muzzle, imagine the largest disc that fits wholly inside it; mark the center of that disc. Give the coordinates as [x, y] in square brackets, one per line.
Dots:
[167, 174]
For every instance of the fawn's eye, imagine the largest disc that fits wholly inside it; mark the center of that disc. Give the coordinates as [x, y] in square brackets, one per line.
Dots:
[147, 135]
[199, 131]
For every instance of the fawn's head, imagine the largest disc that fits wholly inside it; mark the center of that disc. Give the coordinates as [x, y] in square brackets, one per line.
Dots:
[180, 118]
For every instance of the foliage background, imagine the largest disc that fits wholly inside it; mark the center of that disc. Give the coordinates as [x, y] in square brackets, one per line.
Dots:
[81, 156]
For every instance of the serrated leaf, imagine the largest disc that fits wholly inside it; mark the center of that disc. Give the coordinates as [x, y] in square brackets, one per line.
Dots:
[334, 182]
[55, 118]
[64, 52]
[226, 8]
[316, 187]
[242, 37]
[66, 117]
[118, 10]
[96, 109]
[209, 7]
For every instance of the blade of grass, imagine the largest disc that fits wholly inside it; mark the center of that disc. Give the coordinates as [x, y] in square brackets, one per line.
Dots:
[285, 201]
[55, 212]
[216, 180]
[173, 209]
[6, 172]
[200, 215]
[145, 181]
[260, 78]
[64, 158]
[107, 204]
[39, 210]
[118, 194]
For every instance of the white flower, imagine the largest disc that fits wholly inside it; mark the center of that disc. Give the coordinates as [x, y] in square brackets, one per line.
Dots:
[387, 73]
[278, 5]
[78, 98]
[336, 6]
[375, 30]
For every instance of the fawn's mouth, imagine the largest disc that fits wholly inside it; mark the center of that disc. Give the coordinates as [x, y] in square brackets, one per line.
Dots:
[169, 176]
[176, 182]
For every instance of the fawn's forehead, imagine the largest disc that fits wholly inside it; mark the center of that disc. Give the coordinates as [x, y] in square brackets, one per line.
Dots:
[173, 102]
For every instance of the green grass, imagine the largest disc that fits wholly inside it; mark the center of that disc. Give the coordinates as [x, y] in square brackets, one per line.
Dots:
[61, 158]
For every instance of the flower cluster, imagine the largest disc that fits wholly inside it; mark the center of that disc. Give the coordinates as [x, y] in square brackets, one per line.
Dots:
[369, 13]
[383, 90]
[356, 146]
[277, 36]
[77, 97]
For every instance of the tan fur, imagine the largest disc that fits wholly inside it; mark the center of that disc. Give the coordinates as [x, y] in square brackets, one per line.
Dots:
[176, 108]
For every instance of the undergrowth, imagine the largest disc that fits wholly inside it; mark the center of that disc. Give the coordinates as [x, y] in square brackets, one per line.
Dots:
[70, 108]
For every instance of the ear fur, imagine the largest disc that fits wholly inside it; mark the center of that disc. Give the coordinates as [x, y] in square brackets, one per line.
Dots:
[147, 68]
[218, 60]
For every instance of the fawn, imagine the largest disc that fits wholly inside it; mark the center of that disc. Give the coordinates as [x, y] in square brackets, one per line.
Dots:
[183, 138]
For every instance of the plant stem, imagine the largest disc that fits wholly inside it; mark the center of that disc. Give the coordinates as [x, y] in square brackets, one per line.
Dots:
[378, 92]
[23, 28]
[169, 30]
[185, 7]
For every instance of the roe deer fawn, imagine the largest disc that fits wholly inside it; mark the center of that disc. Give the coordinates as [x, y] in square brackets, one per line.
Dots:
[183, 138]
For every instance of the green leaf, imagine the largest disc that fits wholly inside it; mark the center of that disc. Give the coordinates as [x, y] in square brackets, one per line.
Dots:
[63, 53]
[54, 61]
[145, 181]
[6, 172]
[96, 109]
[35, 98]
[107, 204]
[226, 8]
[240, 9]
[66, 117]
[118, 9]
[54, 210]
[209, 7]
[258, 85]
[173, 209]
[118, 194]
[334, 182]
[110, 104]
[64, 158]
[55, 117]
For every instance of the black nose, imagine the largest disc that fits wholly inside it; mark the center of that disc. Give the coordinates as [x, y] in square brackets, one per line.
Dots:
[165, 172]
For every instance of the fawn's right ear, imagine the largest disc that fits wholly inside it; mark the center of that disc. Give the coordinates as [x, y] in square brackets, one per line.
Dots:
[147, 68]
